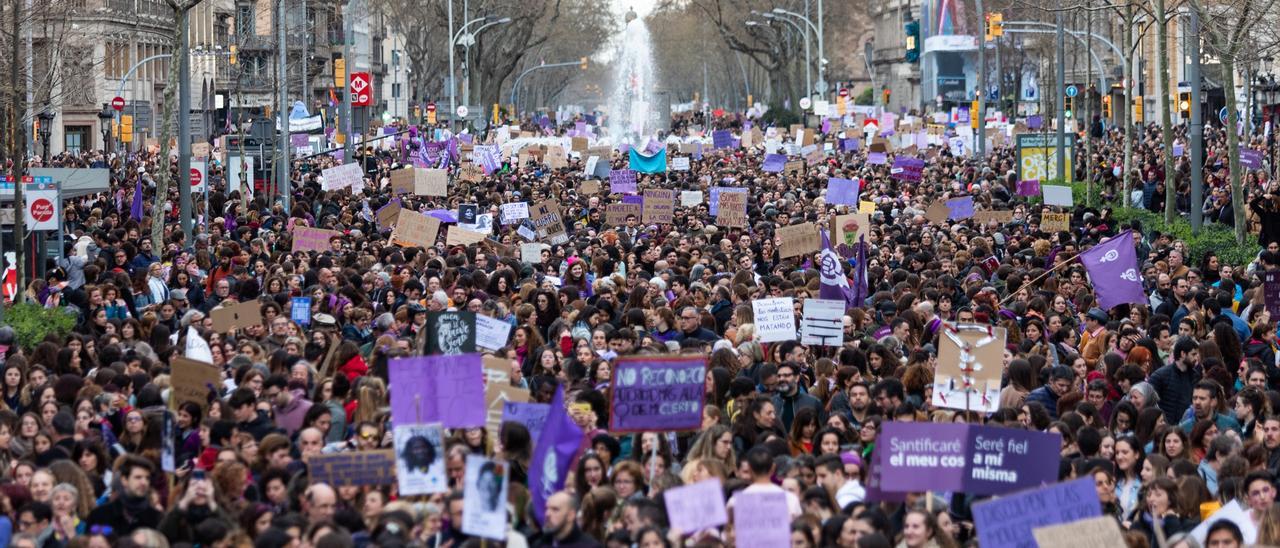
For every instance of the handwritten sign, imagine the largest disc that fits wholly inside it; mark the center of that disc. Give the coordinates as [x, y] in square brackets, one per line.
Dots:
[236, 316]
[343, 176]
[492, 333]
[1055, 222]
[306, 238]
[497, 394]
[696, 506]
[774, 163]
[761, 519]
[1099, 532]
[353, 468]
[659, 206]
[959, 209]
[800, 239]
[617, 214]
[657, 393]
[690, 198]
[548, 223]
[1000, 216]
[717, 191]
[822, 323]
[452, 333]
[414, 229]
[431, 182]
[386, 215]
[622, 181]
[456, 235]
[402, 180]
[1011, 520]
[733, 210]
[193, 380]
[775, 319]
[589, 187]
[447, 389]
[680, 163]
[907, 169]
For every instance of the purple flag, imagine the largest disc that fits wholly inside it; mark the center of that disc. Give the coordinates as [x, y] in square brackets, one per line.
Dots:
[1113, 267]
[135, 210]
[774, 163]
[842, 191]
[831, 273]
[552, 455]
[861, 288]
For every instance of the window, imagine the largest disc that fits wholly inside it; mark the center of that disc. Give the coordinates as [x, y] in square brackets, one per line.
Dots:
[244, 22]
[76, 136]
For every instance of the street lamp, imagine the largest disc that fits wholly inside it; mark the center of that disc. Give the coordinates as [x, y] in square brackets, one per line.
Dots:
[468, 39]
[105, 116]
[46, 129]
[822, 52]
[808, 57]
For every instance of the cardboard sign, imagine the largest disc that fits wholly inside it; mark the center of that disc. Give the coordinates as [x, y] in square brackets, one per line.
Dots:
[970, 360]
[1000, 216]
[496, 396]
[937, 213]
[775, 319]
[353, 468]
[306, 238]
[387, 214]
[431, 182]
[849, 229]
[200, 150]
[657, 393]
[590, 186]
[696, 506]
[402, 180]
[690, 198]
[1235, 513]
[616, 214]
[192, 381]
[1011, 520]
[1099, 532]
[456, 235]
[1055, 222]
[236, 316]
[659, 206]
[733, 210]
[414, 229]
[1057, 195]
[578, 144]
[548, 223]
[793, 167]
[343, 176]
[797, 240]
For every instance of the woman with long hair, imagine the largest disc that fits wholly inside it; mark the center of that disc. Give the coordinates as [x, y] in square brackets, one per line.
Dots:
[920, 530]
[756, 423]
[803, 427]
[1159, 503]
[1128, 460]
[715, 443]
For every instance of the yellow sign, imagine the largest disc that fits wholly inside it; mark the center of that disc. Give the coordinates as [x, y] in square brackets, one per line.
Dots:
[339, 73]
[1038, 156]
[866, 207]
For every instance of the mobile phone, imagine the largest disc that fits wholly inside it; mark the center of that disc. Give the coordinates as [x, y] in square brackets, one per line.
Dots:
[198, 474]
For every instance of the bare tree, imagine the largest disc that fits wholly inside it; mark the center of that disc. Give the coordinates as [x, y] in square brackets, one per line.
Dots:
[170, 97]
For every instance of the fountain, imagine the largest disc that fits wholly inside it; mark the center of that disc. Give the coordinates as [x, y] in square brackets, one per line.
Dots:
[631, 100]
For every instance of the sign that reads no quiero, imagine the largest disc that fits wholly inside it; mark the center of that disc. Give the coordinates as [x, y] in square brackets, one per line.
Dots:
[658, 393]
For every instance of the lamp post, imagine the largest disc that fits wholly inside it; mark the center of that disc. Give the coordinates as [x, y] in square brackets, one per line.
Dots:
[822, 52]
[46, 130]
[468, 39]
[808, 58]
[105, 116]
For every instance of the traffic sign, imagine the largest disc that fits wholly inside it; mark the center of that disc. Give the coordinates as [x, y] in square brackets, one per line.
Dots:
[805, 103]
[431, 107]
[844, 92]
[1222, 115]
[117, 103]
[462, 111]
[1072, 91]
[361, 89]
[431, 113]
[196, 177]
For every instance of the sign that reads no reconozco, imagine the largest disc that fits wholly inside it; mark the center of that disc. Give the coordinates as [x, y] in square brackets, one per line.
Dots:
[660, 393]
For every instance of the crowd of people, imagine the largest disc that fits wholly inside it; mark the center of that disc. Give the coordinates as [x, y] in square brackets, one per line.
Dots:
[1169, 405]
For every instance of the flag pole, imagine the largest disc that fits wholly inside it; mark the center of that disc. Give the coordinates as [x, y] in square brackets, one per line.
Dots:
[1041, 277]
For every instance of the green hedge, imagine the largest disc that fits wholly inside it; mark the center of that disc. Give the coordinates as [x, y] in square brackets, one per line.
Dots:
[32, 323]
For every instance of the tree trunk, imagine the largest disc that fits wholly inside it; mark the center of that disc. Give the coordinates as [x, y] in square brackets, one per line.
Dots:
[1233, 147]
[17, 146]
[170, 96]
[1129, 118]
[1166, 122]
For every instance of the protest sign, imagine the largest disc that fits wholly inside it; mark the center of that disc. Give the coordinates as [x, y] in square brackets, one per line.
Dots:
[402, 180]
[793, 167]
[1029, 187]
[548, 223]
[456, 235]
[1250, 159]
[300, 310]
[343, 176]
[387, 214]
[722, 138]
[1235, 513]
[970, 360]
[1000, 216]
[452, 332]
[192, 381]
[484, 503]
[306, 238]
[591, 186]
[842, 191]
[696, 506]
[531, 252]
[775, 319]
[622, 181]
[448, 389]
[1011, 520]
[959, 209]
[236, 316]
[937, 213]
[761, 519]
[617, 214]
[514, 211]
[663, 393]
[800, 239]
[431, 182]
[1057, 195]
[414, 229]
[1055, 222]
[866, 207]
[907, 169]
[979, 460]
[420, 458]
[680, 163]
[774, 163]
[1271, 292]
[491, 333]
[497, 393]
[821, 324]
[690, 198]
[849, 229]
[733, 210]
[717, 191]
[353, 468]
[659, 206]
[1098, 532]
[532, 415]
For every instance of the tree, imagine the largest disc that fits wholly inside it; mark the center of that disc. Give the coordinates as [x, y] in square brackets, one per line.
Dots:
[180, 12]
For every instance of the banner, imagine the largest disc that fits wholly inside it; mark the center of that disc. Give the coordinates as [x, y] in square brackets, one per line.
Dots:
[656, 163]
[657, 393]
[977, 460]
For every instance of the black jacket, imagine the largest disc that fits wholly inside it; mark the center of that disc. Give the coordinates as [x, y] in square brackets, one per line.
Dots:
[575, 539]
[123, 517]
[260, 426]
[1174, 387]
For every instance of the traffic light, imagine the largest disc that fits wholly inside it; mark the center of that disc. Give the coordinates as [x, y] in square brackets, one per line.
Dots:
[1137, 109]
[1184, 104]
[582, 63]
[886, 96]
[986, 28]
[1070, 106]
[997, 24]
[974, 114]
[912, 31]
[1106, 106]
[231, 58]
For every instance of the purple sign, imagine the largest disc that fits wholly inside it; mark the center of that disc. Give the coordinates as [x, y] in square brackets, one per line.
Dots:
[849, 145]
[445, 215]
[877, 158]
[446, 389]
[1271, 292]
[633, 199]
[721, 138]
[622, 181]
[842, 192]
[907, 169]
[959, 209]
[489, 158]
[714, 198]
[1035, 122]
[1009, 521]
[657, 394]
[1250, 159]
[532, 415]
[774, 163]
[979, 460]
[1177, 151]
[298, 140]
[1029, 187]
